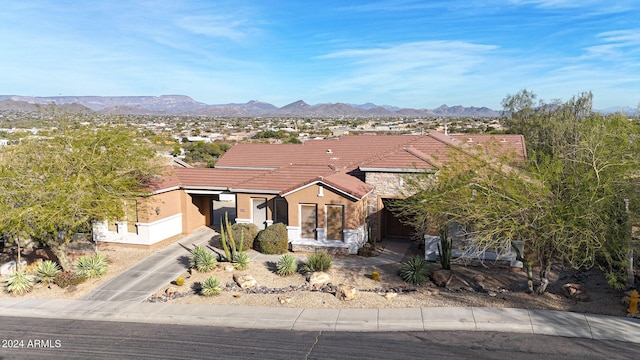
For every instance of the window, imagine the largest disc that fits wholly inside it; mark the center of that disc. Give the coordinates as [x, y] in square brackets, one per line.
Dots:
[335, 222]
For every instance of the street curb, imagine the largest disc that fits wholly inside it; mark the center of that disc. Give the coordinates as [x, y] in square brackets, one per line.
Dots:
[538, 322]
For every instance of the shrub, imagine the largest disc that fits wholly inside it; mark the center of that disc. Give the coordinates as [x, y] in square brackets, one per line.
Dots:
[317, 261]
[415, 270]
[211, 286]
[241, 261]
[202, 259]
[32, 268]
[244, 232]
[67, 278]
[273, 239]
[180, 281]
[47, 271]
[92, 266]
[19, 283]
[287, 265]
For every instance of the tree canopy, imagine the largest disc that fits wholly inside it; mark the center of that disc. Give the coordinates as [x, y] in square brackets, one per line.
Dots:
[56, 186]
[573, 200]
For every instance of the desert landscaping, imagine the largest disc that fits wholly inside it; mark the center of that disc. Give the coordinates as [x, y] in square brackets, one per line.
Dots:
[479, 286]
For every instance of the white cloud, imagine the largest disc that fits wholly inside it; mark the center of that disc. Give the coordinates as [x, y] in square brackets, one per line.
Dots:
[220, 26]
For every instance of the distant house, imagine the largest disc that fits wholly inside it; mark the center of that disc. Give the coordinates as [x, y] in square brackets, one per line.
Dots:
[329, 193]
[4, 142]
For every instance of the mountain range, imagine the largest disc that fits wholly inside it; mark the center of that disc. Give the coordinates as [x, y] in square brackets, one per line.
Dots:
[184, 105]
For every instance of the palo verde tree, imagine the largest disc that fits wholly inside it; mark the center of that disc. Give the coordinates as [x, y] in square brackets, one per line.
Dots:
[571, 202]
[56, 186]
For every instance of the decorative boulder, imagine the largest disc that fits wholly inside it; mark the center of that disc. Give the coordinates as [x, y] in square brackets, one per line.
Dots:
[346, 292]
[575, 292]
[390, 295]
[9, 267]
[318, 279]
[170, 291]
[245, 281]
[442, 278]
[228, 267]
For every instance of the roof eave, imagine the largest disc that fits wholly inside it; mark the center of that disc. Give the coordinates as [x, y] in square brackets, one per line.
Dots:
[397, 170]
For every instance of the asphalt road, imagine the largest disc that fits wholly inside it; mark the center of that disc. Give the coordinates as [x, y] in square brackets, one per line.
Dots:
[33, 338]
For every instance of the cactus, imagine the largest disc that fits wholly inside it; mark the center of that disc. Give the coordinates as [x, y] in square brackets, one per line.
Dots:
[444, 248]
[227, 242]
[180, 281]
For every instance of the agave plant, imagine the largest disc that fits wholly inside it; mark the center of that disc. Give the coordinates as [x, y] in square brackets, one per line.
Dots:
[47, 271]
[241, 260]
[211, 286]
[19, 283]
[287, 265]
[415, 270]
[92, 266]
[202, 259]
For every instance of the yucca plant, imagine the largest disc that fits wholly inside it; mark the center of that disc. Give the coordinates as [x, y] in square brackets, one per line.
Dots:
[47, 271]
[287, 265]
[241, 260]
[317, 261]
[211, 286]
[202, 259]
[92, 266]
[19, 283]
[415, 270]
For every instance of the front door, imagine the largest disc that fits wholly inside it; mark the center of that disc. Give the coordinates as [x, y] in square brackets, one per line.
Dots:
[259, 210]
[308, 221]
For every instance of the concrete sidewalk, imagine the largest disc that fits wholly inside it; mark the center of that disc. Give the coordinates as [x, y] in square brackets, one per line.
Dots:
[411, 319]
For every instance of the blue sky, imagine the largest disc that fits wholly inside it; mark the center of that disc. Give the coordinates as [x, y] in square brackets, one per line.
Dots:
[418, 54]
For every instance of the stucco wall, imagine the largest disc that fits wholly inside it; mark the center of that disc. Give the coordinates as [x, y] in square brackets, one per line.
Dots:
[353, 210]
[159, 206]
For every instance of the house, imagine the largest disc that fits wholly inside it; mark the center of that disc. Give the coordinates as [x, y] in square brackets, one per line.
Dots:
[330, 193]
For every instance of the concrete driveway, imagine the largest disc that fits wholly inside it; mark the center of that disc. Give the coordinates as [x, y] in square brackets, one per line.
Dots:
[157, 270]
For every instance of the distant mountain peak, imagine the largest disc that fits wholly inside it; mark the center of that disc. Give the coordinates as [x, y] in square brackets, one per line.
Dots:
[185, 105]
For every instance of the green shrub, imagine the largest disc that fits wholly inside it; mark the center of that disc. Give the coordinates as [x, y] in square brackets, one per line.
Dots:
[415, 270]
[287, 265]
[241, 261]
[317, 261]
[47, 271]
[273, 240]
[67, 278]
[19, 283]
[211, 286]
[92, 266]
[202, 259]
[246, 232]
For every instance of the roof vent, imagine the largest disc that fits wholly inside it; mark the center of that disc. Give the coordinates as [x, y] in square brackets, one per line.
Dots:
[329, 151]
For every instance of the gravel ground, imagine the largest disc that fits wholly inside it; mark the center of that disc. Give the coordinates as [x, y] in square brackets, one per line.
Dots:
[499, 288]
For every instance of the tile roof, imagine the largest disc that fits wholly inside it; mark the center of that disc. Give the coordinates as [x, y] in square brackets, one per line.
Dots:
[281, 169]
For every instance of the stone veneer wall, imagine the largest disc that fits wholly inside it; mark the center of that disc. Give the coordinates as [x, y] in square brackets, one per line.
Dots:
[385, 185]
